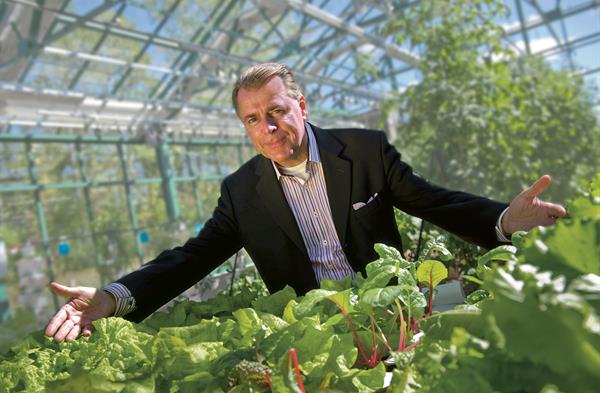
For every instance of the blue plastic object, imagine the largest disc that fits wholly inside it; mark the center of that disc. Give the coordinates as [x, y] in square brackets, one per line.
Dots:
[144, 237]
[64, 249]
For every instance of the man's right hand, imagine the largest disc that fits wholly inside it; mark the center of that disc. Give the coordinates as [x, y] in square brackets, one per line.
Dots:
[76, 316]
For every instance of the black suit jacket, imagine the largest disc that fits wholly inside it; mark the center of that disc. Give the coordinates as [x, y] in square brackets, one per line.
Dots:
[252, 213]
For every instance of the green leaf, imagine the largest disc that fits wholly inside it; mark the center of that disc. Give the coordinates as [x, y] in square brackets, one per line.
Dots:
[477, 296]
[205, 330]
[440, 326]
[588, 287]
[441, 251]
[337, 285]
[306, 306]
[405, 277]
[595, 186]
[288, 312]
[545, 325]
[379, 277]
[430, 270]
[201, 381]
[380, 297]
[273, 322]
[502, 253]
[413, 299]
[403, 381]
[248, 320]
[368, 381]
[275, 304]
[389, 253]
[569, 248]
[346, 299]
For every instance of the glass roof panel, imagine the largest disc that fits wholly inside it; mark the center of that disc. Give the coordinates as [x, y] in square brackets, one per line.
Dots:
[190, 51]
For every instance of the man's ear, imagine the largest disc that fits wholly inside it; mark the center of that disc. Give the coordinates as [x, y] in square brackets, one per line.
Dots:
[303, 109]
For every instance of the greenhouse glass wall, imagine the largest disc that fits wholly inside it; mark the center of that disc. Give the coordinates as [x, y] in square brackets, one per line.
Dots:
[117, 128]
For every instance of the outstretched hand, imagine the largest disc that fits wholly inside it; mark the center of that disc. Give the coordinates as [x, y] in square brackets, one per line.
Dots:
[527, 211]
[76, 316]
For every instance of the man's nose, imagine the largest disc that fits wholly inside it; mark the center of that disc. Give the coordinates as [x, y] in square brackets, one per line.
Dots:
[269, 125]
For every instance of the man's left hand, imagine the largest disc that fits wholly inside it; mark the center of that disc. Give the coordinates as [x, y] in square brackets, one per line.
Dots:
[527, 211]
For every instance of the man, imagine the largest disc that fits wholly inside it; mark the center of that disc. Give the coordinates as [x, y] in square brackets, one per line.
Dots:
[310, 206]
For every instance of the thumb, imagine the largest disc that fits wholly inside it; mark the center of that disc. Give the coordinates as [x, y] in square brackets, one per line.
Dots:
[64, 290]
[538, 187]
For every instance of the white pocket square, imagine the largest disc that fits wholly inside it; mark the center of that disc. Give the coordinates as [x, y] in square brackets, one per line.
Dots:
[358, 205]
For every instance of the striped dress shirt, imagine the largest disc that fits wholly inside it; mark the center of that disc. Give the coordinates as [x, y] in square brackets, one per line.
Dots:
[307, 197]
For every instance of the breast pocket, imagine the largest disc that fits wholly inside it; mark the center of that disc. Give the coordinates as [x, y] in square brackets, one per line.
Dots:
[375, 218]
[373, 207]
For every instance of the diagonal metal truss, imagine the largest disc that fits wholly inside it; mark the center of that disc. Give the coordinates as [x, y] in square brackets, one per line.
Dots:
[130, 70]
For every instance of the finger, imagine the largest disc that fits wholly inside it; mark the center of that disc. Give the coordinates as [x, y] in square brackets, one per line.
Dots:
[538, 187]
[64, 290]
[87, 330]
[556, 211]
[64, 329]
[56, 321]
[550, 220]
[73, 334]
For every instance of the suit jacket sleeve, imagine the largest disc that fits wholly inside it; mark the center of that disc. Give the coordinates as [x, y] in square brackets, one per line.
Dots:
[175, 270]
[471, 217]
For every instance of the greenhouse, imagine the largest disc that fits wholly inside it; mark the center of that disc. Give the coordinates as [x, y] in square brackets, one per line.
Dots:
[300, 196]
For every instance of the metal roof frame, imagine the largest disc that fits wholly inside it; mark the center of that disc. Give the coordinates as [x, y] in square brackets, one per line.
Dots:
[191, 87]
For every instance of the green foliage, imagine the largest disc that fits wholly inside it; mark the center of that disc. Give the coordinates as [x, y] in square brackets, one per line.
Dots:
[16, 329]
[533, 327]
[431, 272]
[485, 120]
[181, 349]
[536, 326]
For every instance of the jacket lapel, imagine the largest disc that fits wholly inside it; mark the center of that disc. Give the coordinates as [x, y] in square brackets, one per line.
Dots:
[270, 192]
[337, 172]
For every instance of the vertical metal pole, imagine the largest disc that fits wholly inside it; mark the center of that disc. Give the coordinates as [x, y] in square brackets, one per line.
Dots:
[215, 157]
[88, 208]
[240, 149]
[168, 182]
[523, 28]
[130, 202]
[39, 208]
[194, 173]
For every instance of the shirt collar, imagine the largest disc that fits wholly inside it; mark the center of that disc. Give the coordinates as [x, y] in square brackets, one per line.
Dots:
[313, 149]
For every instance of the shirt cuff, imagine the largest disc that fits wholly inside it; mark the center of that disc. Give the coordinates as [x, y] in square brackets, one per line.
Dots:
[500, 234]
[124, 299]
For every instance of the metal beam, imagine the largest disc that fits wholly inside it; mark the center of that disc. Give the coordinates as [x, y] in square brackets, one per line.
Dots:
[576, 43]
[392, 50]
[79, 21]
[184, 59]
[41, 217]
[100, 139]
[96, 48]
[89, 211]
[141, 52]
[552, 16]
[130, 201]
[522, 21]
[36, 21]
[167, 181]
[178, 44]
[41, 8]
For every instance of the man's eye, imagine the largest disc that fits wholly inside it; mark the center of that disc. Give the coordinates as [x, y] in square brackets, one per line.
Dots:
[251, 121]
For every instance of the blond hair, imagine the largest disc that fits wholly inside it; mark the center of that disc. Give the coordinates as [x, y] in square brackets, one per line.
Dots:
[258, 75]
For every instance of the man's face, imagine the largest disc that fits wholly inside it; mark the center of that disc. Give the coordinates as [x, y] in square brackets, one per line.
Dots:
[275, 122]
